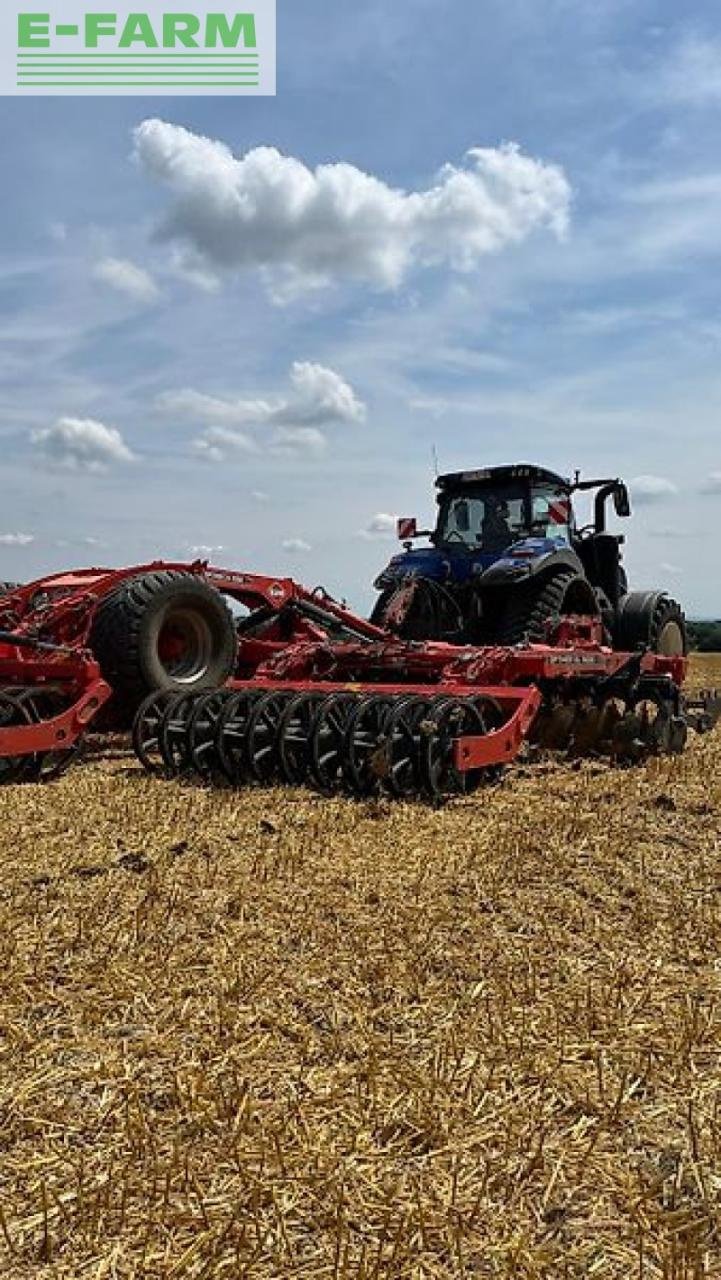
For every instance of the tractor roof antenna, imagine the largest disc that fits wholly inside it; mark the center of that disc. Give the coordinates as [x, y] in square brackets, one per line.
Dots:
[434, 456]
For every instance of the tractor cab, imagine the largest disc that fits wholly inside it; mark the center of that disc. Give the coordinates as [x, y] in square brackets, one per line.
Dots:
[491, 511]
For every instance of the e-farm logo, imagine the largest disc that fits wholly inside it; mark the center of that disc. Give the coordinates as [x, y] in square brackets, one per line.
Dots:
[75, 50]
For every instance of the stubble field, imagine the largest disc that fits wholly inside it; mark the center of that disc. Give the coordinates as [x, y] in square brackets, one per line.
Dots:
[267, 1034]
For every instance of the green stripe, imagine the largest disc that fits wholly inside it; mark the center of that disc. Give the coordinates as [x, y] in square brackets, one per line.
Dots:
[133, 84]
[42, 57]
[32, 70]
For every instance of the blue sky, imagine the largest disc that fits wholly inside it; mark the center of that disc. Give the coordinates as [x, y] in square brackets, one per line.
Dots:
[176, 374]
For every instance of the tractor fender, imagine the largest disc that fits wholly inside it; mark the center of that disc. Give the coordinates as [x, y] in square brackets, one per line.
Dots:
[522, 562]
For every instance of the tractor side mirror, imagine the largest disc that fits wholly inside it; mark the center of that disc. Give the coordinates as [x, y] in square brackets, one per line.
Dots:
[406, 528]
[621, 501]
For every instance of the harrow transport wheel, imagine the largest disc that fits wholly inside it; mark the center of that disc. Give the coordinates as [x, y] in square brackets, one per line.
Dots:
[402, 751]
[326, 747]
[261, 735]
[363, 744]
[533, 605]
[294, 731]
[173, 734]
[163, 630]
[146, 726]
[201, 734]
[451, 719]
[13, 712]
[230, 733]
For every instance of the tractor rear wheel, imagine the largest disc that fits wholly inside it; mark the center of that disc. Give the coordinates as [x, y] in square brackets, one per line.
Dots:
[651, 620]
[535, 604]
[162, 630]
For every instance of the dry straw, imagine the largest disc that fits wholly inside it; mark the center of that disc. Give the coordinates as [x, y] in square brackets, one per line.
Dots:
[265, 1034]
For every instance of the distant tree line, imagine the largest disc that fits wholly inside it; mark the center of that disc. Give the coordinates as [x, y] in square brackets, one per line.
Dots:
[705, 637]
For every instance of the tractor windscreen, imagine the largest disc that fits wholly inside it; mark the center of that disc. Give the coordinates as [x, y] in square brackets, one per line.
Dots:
[491, 519]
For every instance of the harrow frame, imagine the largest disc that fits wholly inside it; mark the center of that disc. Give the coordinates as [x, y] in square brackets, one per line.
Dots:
[296, 641]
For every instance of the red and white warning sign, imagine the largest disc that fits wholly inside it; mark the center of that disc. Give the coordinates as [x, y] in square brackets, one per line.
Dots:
[407, 527]
[559, 511]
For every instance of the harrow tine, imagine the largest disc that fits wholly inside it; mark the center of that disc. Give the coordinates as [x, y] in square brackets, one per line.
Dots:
[450, 719]
[261, 735]
[363, 744]
[294, 733]
[201, 733]
[230, 740]
[49, 765]
[14, 710]
[326, 742]
[146, 728]
[399, 758]
[172, 734]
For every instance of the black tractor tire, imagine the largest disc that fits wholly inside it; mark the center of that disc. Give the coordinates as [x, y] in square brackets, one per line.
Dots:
[433, 612]
[533, 605]
[650, 620]
[162, 630]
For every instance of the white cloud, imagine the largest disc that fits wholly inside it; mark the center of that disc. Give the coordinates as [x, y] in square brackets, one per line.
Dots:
[712, 483]
[673, 569]
[382, 525]
[218, 443]
[647, 489]
[127, 278]
[296, 546]
[307, 227]
[82, 444]
[318, 398]
[16, 539]
[259, 496]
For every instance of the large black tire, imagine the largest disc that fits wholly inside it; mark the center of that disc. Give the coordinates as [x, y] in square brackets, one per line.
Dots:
[650, 620]
[533, 605]
[433, 612]
[162, 630]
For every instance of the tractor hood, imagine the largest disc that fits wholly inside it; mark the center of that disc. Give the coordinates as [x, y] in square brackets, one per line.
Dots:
[441, 564]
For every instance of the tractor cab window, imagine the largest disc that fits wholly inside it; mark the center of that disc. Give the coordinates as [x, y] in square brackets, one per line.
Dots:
[488, 521]
[550, 513]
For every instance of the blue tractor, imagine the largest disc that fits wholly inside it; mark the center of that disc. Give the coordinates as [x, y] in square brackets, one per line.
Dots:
[507, 559]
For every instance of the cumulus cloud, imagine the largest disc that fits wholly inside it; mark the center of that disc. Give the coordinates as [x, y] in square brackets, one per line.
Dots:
[127, 278]
[308, 227]
[318, 398]
[16, 539]
[712, 483]
[218, 443]
[648, 489]
[382, 525]
[296, 546]
[82, 444]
